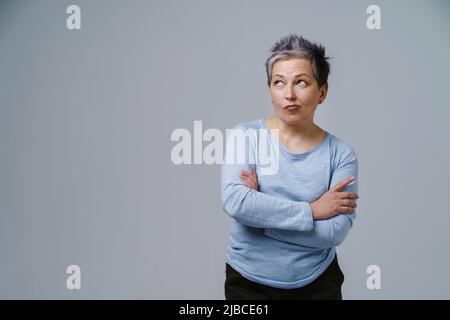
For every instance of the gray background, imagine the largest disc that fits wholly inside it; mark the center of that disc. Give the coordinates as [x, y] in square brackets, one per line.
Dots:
[86, 117]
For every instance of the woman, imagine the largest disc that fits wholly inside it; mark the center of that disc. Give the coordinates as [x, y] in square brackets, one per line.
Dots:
[286, 225]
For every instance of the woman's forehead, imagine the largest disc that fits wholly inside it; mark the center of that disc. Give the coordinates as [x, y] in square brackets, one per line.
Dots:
[292, 67]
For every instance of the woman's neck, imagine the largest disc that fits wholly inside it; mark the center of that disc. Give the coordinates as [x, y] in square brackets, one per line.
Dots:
[304, 131]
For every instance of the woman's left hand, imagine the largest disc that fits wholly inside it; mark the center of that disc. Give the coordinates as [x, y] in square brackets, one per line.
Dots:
[250, 179]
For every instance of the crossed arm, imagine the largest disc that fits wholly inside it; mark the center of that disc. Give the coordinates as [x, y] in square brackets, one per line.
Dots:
[286, 220]
[327, 232]
[259, 210]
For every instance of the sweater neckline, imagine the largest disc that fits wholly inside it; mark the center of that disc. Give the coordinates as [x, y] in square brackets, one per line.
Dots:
[294, 154]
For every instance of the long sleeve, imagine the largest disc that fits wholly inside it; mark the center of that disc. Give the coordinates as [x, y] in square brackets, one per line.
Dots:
[253, 208]
[333, 231]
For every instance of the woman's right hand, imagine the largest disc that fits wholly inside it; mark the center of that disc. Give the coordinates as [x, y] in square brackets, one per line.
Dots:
[334, 202]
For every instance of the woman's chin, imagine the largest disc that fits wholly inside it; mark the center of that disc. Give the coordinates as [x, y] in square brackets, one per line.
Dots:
[292, 119]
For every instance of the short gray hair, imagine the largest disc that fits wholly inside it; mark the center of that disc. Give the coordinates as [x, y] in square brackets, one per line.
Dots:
[293, 46]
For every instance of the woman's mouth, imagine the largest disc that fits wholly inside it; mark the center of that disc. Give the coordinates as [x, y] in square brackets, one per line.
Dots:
[292, 107]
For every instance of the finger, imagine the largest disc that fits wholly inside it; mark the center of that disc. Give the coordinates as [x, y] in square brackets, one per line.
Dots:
[250, 173]
[251, 180]
[348, 195]
[342, 184]
[252, 170]
[347, 203]
[250, 185]
[345, 209]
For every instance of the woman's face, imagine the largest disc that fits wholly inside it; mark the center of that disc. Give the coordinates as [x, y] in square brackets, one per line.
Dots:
[293, 83]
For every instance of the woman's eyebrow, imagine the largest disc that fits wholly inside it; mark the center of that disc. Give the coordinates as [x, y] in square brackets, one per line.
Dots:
[297, 75]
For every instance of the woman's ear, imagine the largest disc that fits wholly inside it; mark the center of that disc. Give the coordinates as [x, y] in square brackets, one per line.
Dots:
[323, 92]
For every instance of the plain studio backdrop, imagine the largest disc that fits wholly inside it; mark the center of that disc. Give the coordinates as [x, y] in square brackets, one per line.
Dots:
[86, 117]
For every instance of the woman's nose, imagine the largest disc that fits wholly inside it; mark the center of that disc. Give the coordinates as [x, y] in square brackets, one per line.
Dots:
[290, 94]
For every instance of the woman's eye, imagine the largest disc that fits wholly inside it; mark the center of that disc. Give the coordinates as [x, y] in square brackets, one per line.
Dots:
[302, 82]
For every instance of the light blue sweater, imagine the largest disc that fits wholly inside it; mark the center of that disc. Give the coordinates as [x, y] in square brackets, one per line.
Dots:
[273, 239]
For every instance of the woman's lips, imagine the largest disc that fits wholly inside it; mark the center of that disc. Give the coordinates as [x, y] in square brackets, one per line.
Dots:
[293, 107]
